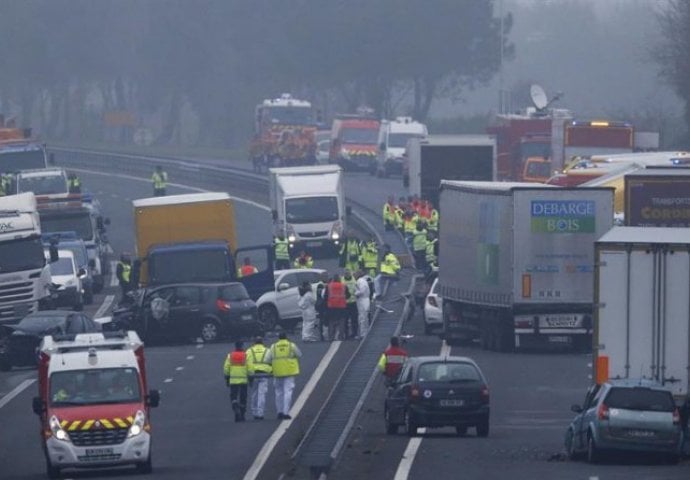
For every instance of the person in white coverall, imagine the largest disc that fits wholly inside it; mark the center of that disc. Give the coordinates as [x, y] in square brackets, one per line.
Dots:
[307, 303]
[363, 295]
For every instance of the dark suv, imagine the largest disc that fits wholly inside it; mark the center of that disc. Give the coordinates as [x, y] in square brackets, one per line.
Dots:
[190, 310]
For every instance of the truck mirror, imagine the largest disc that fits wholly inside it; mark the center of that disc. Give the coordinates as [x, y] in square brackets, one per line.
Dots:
[81, 273]
[54, 256]
[153, 399]
[283, 286]
[348, 210]
[274, 215]
[38, 406]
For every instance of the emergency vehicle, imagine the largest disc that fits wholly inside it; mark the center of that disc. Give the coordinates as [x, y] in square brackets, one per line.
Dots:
[93, 403]
[354, 140]
[17, 150]
[393, 137]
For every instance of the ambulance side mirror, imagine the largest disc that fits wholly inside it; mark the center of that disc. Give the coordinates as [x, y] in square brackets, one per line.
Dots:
[153, 399]
[38, 405]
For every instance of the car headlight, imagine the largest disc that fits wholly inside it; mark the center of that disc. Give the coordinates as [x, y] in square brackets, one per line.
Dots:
[292, 238]
[137, 425]
[335, 235]
[57, 430]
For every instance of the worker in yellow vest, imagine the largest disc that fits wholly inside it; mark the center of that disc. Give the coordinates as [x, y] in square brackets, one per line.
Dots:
[259, 372]
[160, 182]
[283, 356]
[237, 377]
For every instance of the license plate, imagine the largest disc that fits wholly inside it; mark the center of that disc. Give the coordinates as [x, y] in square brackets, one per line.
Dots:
[452, 403]
[641, 433]
[98, 452]
[314, 244]
[247, 317]
[559, 339]
[561, 321]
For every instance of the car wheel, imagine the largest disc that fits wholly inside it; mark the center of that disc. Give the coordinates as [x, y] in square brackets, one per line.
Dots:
[483, 428]
[410, 424]
[391, 428]
[51, 471]
[570, 445]
[209, 331]
[268, 317]
[593, 453]
[461, 431]
[145, 467]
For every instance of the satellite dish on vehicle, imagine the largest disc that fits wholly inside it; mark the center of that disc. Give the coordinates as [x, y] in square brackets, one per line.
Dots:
[539, 98]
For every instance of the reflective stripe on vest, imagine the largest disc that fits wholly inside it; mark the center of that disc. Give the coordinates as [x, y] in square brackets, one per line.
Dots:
[257, 365]
[336, 295]
[285, 364]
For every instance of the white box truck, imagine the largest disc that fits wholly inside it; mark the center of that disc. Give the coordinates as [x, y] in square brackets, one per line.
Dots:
[308, 206]
[516, 263]
[393, 138]
[448, 157]
[642, 314]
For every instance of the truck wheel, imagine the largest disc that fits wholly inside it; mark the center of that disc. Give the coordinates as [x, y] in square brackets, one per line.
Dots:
[268, 317]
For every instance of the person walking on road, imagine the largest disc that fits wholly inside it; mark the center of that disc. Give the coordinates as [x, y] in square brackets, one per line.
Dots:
[351, 309]
[362, 294]
[336, 300]
[237, 377]
[349, 253]
[281, 247]
[307, 303]
[259, 371]
[123, 272]
[419, 246]
[283, 356]
[392, 360]
[160, 182]
[388, 271]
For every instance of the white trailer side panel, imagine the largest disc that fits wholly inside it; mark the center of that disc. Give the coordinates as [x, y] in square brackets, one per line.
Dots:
[675, 354]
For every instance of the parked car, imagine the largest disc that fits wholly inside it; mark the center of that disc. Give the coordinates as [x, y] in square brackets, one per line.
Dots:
[70, 241]
[625, 415]
[190, 310]
[433, 310]
[438, 391]
[66, 278]
[279, 307]
[19, 348]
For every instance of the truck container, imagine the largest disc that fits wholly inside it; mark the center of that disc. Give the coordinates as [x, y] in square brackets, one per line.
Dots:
[642, 314]
[93, 402]
[24, 273]
[308, 206]
[516, 262]
[449, 157]
[192, 238]
[658, 197]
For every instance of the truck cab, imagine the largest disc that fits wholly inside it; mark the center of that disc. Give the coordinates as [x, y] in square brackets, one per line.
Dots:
[93, 402]
[354, 142]
[44, 183]
[536, 170]
[21, 154]
[393, 138]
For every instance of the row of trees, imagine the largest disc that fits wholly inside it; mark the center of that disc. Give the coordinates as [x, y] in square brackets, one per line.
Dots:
[65, 63]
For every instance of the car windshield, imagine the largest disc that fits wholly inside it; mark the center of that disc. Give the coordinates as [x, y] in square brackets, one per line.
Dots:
[289, 115]
[79, 252]
[95, 387]
[22, 254]
[399, 140]
[311, 209]
[46, 185]
[453, 372]
[15, 161]
[640, 398]
[539, 169]
[234, 293]
[189, 266]
[79, 223]
[38, 323]
[63, 266]
[367, 136]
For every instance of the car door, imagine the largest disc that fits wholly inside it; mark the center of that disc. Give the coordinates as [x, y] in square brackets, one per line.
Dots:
[262, 258]
[287, 298]
[185, 311]
[398, 395]
[582, 420]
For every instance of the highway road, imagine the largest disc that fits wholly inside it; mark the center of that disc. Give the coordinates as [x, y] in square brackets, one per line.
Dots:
[195, 436]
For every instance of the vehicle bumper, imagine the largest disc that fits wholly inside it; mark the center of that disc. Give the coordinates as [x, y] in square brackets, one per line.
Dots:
[448, 417]
[671, 443]
[359, 162]
[393, 166]
[310, 245]
[66, 298]
[131, 451]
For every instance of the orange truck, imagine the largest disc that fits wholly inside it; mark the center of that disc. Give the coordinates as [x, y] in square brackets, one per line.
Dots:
[93, 402]
[17, 150]
[354, 141]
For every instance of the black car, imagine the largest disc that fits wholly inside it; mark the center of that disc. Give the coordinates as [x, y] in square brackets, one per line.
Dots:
[436, 392]
[19, 347]
[190, 310]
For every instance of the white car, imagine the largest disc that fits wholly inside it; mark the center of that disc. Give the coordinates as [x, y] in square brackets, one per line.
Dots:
[46, 182]
[323, 146]
[433, 310]
[66, 277]
[279, 307]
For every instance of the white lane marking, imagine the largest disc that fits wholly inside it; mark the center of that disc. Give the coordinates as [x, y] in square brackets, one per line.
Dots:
[405, 465]
[593, 478]
[190, 357]
[16, 391]
[270, 444]
[168, 380]
[179, 369]
[179, 185]
[107, 301]
[114, 282]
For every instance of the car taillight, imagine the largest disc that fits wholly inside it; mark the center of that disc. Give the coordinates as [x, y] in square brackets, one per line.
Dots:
[484, 394]
[415, 393]
[603, 412]
[432, 301]
[676, 417]
[222, 305]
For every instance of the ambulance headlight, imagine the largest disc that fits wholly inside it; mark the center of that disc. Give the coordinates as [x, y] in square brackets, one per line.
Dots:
[137, 425]
[57, 430]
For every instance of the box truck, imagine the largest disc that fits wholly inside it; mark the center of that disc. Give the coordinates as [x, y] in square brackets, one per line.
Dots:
[516, 263]
[658, 197]
[308, 206]
[642, 314]
[448, 157]
[192, 238]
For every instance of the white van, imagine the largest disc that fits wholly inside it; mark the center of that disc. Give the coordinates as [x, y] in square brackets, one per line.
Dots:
[67, 278]
[393, 137]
